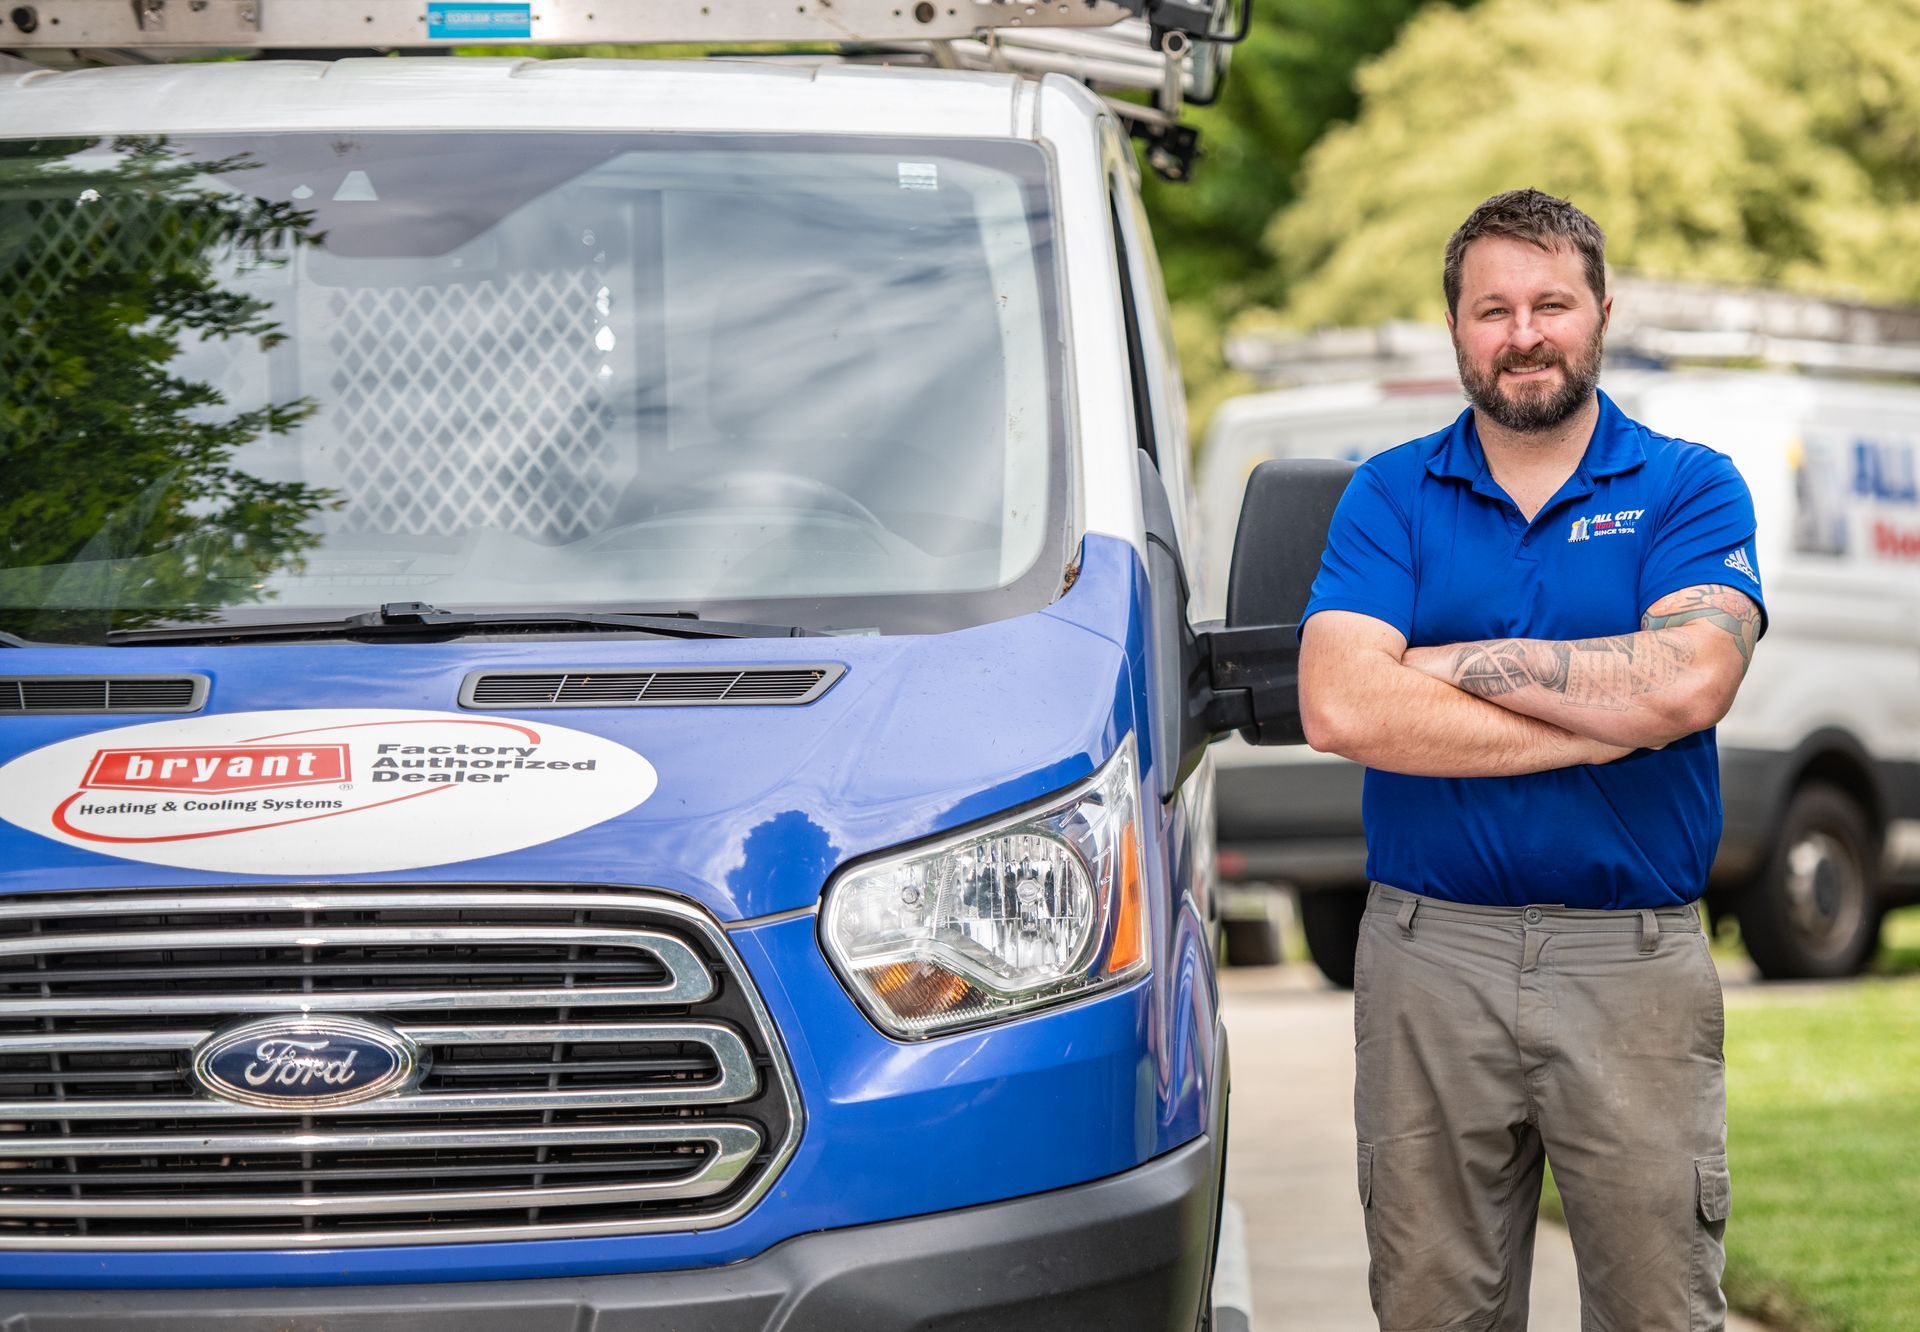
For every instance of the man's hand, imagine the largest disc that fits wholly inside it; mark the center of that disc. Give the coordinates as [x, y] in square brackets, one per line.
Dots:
[1359, 701]
[1678, 675]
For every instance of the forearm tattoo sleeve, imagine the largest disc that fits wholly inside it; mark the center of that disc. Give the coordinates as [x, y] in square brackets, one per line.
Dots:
[1609, 673]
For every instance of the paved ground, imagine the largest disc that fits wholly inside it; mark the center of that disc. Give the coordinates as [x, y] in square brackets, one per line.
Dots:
[1290, 1165]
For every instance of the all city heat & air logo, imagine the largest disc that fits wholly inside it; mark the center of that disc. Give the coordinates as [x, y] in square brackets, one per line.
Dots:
[1618, 523]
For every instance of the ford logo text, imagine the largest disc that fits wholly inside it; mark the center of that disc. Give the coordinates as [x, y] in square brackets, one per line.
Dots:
[292, 1063]
[306, 1063]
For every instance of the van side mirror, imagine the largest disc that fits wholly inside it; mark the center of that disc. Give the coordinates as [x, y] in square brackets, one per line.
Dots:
[1253, 659]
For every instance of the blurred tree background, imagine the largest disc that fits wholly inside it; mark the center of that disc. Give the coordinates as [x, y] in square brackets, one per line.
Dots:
[1769, 142]
[1290, 81]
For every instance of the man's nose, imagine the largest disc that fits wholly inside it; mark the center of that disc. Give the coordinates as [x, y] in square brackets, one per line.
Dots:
[1524, 337]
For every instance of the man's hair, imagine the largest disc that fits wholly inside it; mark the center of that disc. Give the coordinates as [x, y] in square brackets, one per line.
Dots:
[1534, 217]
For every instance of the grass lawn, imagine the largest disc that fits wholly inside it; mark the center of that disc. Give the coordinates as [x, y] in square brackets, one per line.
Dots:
[1823, 1108]
[1900, 944]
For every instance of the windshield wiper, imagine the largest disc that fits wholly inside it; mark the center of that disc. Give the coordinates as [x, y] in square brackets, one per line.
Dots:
[416, 619]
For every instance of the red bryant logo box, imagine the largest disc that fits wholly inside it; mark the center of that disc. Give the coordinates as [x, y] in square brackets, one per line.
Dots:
[224, 769]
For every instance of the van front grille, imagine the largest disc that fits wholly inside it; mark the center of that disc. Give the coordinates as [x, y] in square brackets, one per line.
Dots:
[595, 1062]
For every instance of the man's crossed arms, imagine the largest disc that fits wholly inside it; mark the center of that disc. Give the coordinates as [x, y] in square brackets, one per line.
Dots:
[1517, 705]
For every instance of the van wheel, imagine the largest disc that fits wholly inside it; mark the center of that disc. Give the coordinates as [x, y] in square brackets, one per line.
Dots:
[1251, 943]
[1815, 911]
[1330, 921]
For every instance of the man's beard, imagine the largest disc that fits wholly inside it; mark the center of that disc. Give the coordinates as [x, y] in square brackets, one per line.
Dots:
[1531, 409]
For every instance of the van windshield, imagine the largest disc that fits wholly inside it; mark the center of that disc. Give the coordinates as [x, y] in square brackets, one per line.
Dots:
[275, 377]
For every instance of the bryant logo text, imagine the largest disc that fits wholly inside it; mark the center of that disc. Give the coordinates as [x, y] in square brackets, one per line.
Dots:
[225, 768]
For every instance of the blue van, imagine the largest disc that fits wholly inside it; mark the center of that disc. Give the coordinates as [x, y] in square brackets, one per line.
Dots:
[597, 718]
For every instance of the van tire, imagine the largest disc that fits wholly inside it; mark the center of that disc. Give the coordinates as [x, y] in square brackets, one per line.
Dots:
[1330, 922]
[1251, 943]
[1815, 910]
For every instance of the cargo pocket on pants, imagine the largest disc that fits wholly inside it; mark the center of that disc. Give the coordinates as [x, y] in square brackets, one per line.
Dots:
[1714, 1204]
[1365, 1162]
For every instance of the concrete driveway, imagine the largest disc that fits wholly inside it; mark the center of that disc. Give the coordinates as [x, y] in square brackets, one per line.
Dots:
[1290, 1164]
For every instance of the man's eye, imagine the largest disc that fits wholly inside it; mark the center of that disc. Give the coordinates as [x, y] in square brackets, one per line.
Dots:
[1493, 313]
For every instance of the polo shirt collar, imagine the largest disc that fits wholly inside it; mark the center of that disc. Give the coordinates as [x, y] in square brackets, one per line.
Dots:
[1616, 447]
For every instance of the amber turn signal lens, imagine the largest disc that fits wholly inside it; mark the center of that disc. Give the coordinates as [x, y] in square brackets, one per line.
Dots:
[1130, 921]
[921, 989]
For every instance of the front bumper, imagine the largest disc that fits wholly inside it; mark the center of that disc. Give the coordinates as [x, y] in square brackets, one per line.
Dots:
[1131, 1251]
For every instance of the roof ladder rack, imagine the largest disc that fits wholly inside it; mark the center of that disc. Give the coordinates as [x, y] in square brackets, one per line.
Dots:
[1175, 50]
[1664, 323]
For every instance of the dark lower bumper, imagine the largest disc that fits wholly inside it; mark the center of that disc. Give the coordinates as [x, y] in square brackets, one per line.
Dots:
[1292, 822]
[1130, 1251]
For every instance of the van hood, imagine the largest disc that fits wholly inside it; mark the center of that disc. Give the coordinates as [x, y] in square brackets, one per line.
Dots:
[345, 762]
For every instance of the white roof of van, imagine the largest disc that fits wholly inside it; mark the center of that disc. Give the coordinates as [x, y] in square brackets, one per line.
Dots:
[1782, 390]
[505, 93]
[1324, 399]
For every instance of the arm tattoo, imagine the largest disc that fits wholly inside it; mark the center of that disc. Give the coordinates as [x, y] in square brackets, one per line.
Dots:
[1723, 607]
[1492, 669]
[1604, 673]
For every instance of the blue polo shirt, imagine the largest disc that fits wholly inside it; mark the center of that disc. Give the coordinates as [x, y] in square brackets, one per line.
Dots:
[1427, 541]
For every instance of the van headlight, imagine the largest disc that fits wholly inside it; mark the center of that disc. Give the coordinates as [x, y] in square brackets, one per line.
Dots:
[1046, 906]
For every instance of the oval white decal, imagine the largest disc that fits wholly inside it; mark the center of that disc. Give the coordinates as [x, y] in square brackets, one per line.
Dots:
[333, 791]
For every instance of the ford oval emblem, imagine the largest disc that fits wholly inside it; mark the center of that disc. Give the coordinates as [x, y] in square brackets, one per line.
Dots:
[307, 1062]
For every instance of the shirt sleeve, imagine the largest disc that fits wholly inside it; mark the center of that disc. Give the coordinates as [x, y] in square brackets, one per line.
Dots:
[1705, 536]
[1368, 563]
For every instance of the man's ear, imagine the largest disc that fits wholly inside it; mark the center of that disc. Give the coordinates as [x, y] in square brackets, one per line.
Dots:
[1450, 327]
[1606, 313]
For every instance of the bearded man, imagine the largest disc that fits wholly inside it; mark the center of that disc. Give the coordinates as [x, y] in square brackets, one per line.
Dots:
[1526, 627]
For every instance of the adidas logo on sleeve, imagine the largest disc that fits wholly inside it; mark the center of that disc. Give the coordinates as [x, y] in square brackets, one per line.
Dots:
[1739, 563]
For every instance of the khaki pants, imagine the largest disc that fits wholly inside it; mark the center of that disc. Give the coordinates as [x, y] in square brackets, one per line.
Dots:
[1489, 1039]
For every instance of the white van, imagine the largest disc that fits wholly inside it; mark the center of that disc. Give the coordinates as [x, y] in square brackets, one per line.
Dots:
[1820, 757]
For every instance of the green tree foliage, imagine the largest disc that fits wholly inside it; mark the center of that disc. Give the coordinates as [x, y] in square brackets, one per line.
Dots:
[1757, 141]
[120, 485]
[1287, 82]
[1290, 80]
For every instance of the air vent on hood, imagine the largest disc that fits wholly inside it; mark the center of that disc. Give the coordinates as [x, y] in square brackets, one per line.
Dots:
[666, 687]
[101, 693]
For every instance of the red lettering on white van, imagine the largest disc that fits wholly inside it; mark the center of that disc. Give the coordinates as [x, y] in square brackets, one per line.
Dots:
[1892, 543]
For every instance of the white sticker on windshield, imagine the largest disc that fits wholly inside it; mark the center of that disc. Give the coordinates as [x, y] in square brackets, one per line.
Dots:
[919, 176]
[356, 188]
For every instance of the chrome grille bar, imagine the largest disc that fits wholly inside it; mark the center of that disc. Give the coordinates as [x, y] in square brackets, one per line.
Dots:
[733, 1146]
[186, 1038]
[34, 906]
[67, 1041]
[411, 1140]
[261, 1004]
[690, 981]
[438, 1103]
[736, 1081]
